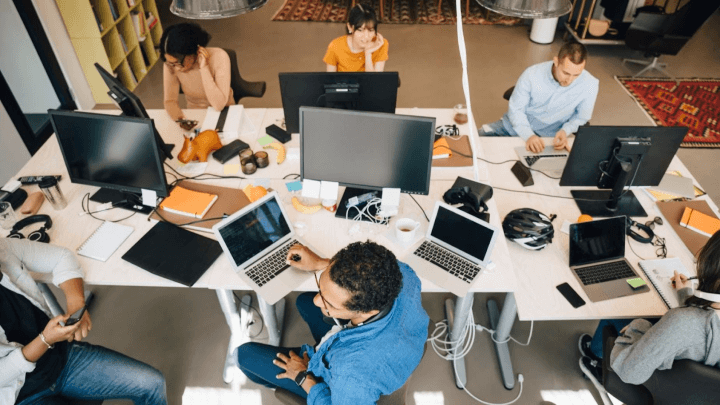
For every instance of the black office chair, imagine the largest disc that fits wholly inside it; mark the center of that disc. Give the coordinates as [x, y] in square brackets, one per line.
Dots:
[656, 33]
[508, 93]
[241, 87]
[687, 383]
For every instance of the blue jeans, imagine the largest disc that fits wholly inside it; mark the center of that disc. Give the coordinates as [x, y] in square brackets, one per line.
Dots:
[255, 359]
[596, 346]
[494, 129]
[96, 373]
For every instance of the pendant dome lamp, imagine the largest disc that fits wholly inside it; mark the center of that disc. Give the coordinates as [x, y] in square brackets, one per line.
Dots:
[528, 8]
[213, 9]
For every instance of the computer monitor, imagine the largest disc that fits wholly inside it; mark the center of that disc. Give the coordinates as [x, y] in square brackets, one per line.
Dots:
[361, 91]
[130, 105]
[615, 158]
[366, 151]
[117, 153]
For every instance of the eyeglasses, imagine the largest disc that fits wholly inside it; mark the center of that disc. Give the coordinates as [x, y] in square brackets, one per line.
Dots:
[325, 303]
[177, 64]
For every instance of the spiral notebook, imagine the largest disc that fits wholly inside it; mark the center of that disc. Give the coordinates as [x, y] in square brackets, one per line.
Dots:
[659, 273]
[106, 239]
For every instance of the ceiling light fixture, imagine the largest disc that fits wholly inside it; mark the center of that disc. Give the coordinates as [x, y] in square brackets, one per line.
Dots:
[213, 9]
[528, 8]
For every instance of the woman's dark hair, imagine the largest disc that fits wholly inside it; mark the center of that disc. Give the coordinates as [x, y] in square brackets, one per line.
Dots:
[182, 39]
[708, 271]
[362, 14]
[370, 272]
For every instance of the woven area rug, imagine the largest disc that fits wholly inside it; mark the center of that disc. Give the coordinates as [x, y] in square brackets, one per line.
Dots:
[395, 12]
[695, 104]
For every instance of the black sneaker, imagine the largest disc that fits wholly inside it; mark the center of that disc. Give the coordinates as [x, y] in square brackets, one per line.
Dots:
[592, 369]
[584, 346]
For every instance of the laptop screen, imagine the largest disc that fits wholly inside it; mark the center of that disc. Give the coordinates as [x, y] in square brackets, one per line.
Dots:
[596, 241]
[255, 231]
[462, 233]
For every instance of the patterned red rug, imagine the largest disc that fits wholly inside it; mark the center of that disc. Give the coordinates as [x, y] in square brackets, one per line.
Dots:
[395, 12]
[695, 104]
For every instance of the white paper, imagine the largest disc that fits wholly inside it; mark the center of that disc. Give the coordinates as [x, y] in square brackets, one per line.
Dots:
[311, 188]
[565, 228]
[391, 197]
[149, 198]
[211, 118]
[233, 122]
[292, 154]
[192, 169]
[329, 190]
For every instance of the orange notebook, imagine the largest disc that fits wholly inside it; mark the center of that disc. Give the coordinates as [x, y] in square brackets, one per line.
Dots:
[188, 202]
[699, 222]
[441, 149]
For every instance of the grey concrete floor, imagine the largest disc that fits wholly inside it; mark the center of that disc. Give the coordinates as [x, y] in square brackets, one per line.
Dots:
[183, 333]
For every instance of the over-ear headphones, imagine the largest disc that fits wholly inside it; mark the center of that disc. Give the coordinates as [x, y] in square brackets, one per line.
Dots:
[37, 236]
[707, 296]
[463, 195]
[636, 235]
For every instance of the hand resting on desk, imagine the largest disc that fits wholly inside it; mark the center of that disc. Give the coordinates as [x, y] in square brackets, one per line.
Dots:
[305, 259]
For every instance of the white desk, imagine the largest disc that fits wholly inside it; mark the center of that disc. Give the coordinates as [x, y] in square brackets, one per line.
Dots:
[538, 272]
[325, 232]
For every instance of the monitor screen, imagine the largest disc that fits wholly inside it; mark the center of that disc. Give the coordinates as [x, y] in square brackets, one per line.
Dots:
[596, 241]
[110, 151]
[462, 233]
[366, 150]
[254, 231]
[375, 91]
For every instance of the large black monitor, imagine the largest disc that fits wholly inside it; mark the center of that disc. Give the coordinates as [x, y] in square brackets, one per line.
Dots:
[361, 91]
[615, 158]
[366, 151]
[117, 153]
[130, 104]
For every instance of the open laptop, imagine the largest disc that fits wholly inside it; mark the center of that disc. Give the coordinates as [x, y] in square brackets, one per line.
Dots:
[597, 259]
[256, 240]
[456, 247]
[549, 160]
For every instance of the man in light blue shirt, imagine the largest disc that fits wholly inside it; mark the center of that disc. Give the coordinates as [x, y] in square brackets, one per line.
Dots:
[551, 98]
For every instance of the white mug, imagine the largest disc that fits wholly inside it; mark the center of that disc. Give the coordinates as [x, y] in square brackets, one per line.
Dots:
[405, 229]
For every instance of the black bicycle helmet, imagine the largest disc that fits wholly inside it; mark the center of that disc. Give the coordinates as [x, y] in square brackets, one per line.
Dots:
[528, 228]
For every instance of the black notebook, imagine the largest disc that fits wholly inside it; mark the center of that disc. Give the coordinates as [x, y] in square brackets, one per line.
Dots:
[174, 253]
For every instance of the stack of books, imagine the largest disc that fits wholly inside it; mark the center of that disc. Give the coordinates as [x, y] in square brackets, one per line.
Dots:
[441, 149]
[188, 202]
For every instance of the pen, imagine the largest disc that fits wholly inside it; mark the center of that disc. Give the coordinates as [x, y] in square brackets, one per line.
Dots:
[689, 278]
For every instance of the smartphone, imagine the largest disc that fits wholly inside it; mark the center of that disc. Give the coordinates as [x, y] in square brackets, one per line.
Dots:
[76, 317]
[570, 295]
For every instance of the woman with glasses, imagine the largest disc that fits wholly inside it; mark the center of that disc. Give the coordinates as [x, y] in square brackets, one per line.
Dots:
[202, 73]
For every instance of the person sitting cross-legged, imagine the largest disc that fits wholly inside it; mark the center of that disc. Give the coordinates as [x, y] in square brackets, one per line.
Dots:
[368, 324]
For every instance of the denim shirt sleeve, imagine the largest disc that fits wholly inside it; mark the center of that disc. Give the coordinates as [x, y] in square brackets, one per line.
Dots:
[345, 392]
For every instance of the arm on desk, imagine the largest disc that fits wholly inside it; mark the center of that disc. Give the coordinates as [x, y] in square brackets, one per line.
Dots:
[308, 260]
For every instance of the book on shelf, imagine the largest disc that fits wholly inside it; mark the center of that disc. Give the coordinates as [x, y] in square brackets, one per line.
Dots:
[151, 20]
[122, 41]
[188, 202]
[701, 223]
[137, 23]
[132, 77]
[144, 54]
[97, 18]
[131, 3]
[113, 10]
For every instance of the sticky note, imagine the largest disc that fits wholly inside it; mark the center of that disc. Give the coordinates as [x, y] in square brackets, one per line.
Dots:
[294, 185]
[232, 168]
[329, 190]
[265, 140]
[636, 282]
[311, 188]
[149, 198]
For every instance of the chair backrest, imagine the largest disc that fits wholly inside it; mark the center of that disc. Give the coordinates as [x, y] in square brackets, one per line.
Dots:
[687, 382]
[235, 78]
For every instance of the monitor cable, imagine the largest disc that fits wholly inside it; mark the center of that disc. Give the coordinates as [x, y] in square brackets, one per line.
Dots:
[85, 205]
[515, 160]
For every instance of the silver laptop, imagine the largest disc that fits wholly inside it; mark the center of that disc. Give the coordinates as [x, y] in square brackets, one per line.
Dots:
[549, 160]
[456, 247]
[597, 259]
[256, 240]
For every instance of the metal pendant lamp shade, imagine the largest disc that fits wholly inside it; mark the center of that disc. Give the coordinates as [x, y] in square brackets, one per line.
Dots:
[213, 9]
[528, 8]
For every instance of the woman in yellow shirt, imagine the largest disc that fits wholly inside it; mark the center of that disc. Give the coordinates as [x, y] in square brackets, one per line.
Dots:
[203, 73]
[363, 49]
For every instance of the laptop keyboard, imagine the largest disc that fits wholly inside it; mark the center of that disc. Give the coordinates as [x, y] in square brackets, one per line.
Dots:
[270, 266]
[448, 261]
[532, 159]
[605, 272]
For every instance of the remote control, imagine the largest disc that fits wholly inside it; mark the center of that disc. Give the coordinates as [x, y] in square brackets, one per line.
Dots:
[25, 180]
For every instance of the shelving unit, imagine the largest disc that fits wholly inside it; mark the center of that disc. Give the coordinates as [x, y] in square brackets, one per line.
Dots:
[102, 31]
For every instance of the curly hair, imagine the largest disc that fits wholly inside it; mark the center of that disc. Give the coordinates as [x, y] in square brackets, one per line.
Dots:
[370, 272]
[182, 39]
[708, 271]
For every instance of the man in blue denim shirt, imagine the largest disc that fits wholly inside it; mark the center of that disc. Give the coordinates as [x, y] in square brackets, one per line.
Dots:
[550, 99]
[378, 335]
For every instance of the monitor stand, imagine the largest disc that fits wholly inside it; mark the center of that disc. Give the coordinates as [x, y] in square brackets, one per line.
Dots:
[628, 204]
[121, 199]
[355, 192]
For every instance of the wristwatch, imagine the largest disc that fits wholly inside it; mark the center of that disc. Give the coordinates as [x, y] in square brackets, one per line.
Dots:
[301, 377]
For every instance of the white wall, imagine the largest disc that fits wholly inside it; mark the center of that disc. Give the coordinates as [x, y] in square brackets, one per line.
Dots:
[21, 64]
[12, 149]
[59, 38]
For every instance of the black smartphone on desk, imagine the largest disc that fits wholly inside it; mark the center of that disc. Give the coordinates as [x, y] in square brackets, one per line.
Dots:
[573, 298]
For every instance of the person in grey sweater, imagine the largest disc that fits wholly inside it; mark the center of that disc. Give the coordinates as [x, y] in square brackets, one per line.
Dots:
[689, 332]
